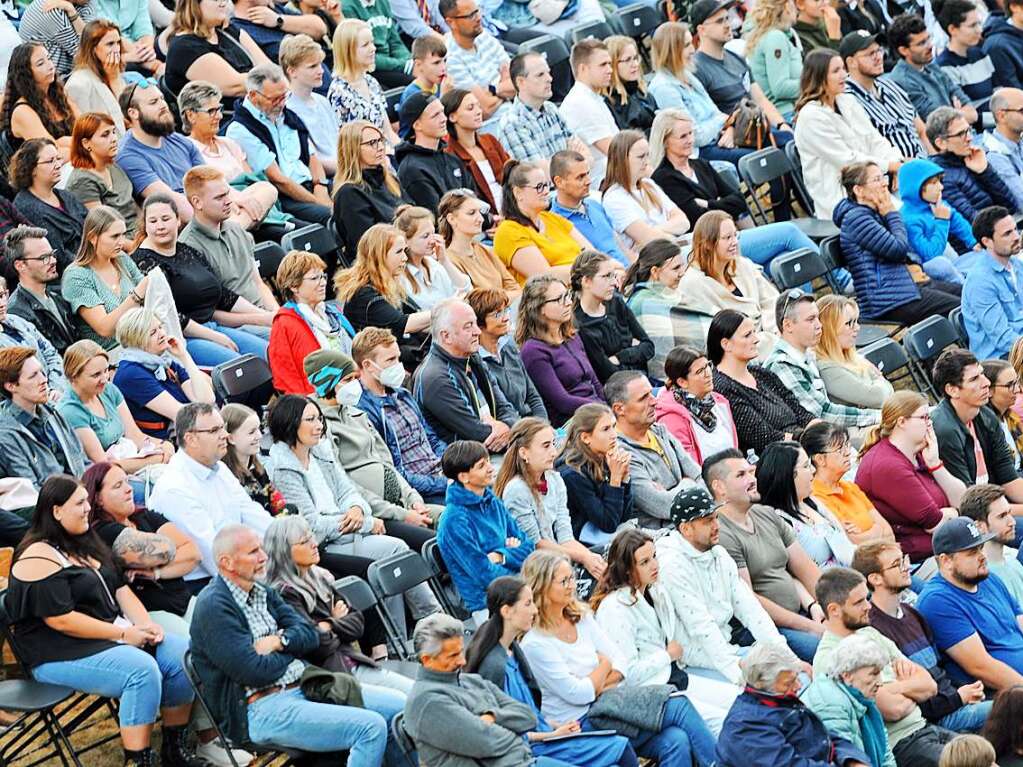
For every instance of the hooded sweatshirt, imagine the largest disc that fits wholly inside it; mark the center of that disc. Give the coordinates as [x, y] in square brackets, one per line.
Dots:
[472, 527]
[1004, 44]
[426, 174]
[929, 235]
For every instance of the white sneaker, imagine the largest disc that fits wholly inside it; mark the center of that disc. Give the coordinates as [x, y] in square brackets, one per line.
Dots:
[214, 753]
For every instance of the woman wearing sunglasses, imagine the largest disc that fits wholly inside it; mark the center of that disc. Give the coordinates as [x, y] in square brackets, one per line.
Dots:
[532, 240]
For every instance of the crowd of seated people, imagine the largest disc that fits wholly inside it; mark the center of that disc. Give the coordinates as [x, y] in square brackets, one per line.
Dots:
[522, 319]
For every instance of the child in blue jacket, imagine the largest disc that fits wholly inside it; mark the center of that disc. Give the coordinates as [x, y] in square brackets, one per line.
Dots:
[478, 539]
[937, 232]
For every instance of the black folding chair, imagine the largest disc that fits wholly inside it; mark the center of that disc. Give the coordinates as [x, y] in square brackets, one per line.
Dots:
[956, 318]
[393, 96]
[442, 584]
[764, 166]
[266, 754]
[390, 577]
[557, 54]
[600, 30]
[403, 740]
[639, 20]
[50, 714]
[796, 174]
[245, 379]
[924, 342]
[888, 356]
[268, 256]
[358, 595]
[795, 269]
[831, 252]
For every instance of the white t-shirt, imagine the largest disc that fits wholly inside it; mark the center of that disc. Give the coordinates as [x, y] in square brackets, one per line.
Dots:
[441, 285]
[588, 117]
[321, 121]
[625, 208]
[712, 442]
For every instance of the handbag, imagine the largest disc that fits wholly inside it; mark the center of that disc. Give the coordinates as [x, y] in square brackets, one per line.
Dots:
[549, 11]
[749, 125]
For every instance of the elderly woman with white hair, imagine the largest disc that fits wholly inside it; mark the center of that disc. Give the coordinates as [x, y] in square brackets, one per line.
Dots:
[293, 569]
[156, 373]
[844, 697]
[769, 726]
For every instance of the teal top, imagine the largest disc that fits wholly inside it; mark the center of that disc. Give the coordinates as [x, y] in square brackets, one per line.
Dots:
[776, 65]
[82, 287]
[108, 428]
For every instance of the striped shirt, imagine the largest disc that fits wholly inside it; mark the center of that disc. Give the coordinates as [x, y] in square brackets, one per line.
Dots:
[55, 31]
[892, 113]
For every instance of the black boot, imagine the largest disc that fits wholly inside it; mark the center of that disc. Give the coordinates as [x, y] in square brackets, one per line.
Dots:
[176, 751]
[143, 758]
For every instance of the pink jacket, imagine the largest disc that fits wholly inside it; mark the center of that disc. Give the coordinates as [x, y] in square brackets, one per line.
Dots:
[679, 421]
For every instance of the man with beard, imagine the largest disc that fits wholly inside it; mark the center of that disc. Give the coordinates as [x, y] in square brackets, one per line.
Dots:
[153, 155]
[988, 507]
[766, 552]
[844, 596]
[992, 297]
[887, 572]
[975, 620]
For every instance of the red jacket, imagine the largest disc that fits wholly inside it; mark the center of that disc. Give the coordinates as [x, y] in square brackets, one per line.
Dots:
[679, 421]
[291, 341]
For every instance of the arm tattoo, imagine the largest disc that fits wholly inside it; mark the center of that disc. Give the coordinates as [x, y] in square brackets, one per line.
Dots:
[134, 548]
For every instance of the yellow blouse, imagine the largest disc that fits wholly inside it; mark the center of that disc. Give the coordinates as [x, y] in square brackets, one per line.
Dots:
[554, 242]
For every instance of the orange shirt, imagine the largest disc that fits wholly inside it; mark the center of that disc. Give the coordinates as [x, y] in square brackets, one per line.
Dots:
[847, 502]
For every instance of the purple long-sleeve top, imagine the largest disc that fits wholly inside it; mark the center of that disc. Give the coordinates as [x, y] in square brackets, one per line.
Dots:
[563, 376]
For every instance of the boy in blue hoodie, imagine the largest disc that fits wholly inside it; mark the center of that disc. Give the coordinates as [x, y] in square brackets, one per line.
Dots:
[937, 232]
[478, 539]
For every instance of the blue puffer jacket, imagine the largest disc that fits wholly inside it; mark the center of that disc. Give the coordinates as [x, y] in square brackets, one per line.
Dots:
[876, 252]
[771, 731]
[928, 236]
[970, 192]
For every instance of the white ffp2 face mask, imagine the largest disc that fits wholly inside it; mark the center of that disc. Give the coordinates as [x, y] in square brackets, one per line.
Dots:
[392, 376]
[348, 394]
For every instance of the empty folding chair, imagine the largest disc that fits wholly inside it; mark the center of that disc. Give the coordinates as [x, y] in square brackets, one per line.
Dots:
[268, 256]
[802, 266]
[600, 30]
[924, 341]
[313, 239]
[393, 576]
[246, 379]
[359, 596]
[771, 164]
[639, 20]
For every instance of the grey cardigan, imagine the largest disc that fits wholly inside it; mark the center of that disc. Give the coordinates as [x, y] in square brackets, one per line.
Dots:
[507, 371]
[22, 455]
[292, 480]
[653, 504]
[442, 716]
[551, 522]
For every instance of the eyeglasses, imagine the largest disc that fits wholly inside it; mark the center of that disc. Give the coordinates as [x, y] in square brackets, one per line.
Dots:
[565, 299]
[312, 419]
[320, 277]
[967, 131]
[566, 581]
[902, 564]
[628, 59]
[211, 430]
[45, 258]
[55, 160]
[374, 143]
[706, 370]
[503, 314]
[542, 188]
[471, 15]
[877, 180]
[926, 417]
[210, 111]
[1011, 386]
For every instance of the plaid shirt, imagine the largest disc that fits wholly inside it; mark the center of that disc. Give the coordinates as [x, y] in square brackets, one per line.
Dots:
[800, 376]
[658, 313]
[532, 134]
[417, 454]
[262, 624]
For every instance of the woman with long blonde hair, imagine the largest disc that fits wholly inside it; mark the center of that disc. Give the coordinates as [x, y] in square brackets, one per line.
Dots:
[372, 292]
[628, 98]
[719, 277]
[366, 191]
[638, 208]
[849, 378]
[774, 52]
[205, 44]
[595, 469]
[103, 283]
[535, 494]
[903, 476]
[552, 352]
[354, 93]
[575, 663]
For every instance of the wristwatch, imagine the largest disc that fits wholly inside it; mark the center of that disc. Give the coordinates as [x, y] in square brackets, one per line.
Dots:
[284, 639]
[280, 21]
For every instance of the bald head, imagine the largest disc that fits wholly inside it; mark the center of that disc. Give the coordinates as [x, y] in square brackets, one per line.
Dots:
[1007, 108]
[239, 555]
[453, 326]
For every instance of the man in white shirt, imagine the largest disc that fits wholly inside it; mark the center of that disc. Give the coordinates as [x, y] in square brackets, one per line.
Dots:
[198, 493]
[702, 582]
[584, 110]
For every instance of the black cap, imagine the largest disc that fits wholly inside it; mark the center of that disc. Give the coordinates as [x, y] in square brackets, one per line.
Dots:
[958, 534]
[411, 110]
[854, 42]
[690, 504]
[704, 9]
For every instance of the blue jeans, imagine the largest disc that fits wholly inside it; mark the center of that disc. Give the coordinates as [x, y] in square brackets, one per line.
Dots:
[684, 739]
[942, 268]
[143, 684]
[802, 643]
[969, 718]
[208, 354]
[288, 719]
[762, 244]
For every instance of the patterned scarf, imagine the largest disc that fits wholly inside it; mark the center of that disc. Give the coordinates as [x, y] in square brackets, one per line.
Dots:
[702, 409]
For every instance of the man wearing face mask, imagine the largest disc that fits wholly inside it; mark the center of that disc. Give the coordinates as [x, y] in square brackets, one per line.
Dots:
[360, 449]
[415, 448]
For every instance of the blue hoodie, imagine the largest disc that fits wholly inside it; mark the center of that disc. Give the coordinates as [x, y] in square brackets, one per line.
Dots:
[471, 527]
[1004, 44]
[928, 235]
